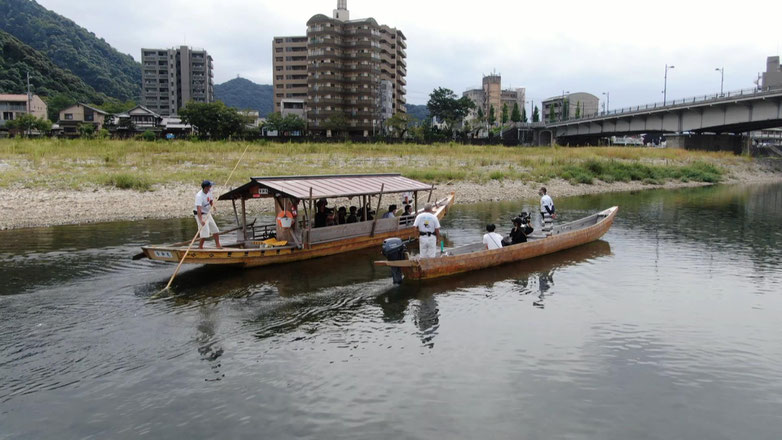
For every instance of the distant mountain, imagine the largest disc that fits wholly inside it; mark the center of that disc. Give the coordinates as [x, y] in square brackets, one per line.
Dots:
[48, 80]
[419, 112]
[73, 48]
[244, 94]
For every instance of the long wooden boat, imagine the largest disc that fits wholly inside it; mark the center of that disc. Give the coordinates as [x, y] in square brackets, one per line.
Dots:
[475, 256]
[260, 245]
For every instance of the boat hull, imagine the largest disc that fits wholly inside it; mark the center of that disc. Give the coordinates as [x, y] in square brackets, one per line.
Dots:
[427, 268]
[254, 257]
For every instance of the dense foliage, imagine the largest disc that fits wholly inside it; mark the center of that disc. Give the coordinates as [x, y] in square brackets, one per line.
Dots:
[26, 122]
[244, 94]
[214, 120]
[281, 124]
[445, 105]
[72, 47]
[58, 87]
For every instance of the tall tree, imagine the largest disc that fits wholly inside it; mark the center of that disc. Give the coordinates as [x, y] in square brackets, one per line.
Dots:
[480, 113]
[565, 109]
[578, 109]
[213, 120]
[515, 115]
[524, 114]
[535, 114]
[444, 105]
[492, 117]
[504, 116]
[552, 116]
[399, 124]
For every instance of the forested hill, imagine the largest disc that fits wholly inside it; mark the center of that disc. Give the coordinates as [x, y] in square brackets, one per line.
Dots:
[244, 94]
[17, 58]
[419, 112]
[72, 47]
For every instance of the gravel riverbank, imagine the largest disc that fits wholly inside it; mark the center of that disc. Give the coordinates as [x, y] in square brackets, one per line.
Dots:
[26, 208]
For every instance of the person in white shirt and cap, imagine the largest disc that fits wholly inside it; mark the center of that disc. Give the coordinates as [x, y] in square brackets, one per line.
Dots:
[547, 211]
[204, 202]
[428, 232]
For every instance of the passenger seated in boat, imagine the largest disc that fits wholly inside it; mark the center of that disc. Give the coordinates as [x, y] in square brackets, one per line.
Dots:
[491, 239]
[408, 211]
[519, 232]
[331, 217]
[320, 216]
[391, 211]
[367, 213]
[342, 215]
[352, 217]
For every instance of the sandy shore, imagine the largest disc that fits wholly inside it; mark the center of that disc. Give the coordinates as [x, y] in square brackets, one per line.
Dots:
[25, 208]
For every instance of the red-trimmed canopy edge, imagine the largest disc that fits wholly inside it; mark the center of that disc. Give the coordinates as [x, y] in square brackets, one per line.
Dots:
[326, 186]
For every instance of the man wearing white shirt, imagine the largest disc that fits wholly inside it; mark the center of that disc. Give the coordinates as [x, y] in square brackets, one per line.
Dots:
[491, 239]
[203, 205]
[428, 232]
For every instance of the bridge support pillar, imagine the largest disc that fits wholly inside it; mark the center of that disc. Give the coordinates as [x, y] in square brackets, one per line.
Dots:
[706, 142]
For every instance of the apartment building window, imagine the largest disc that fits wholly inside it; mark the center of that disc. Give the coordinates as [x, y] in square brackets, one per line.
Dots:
[8, 116]
[69, 116]
[278, 59]
[280, 86]
[278, 68]
[278, 49]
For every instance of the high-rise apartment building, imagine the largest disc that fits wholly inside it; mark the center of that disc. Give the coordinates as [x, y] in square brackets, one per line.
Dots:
[355, 71]
[290, 72]
[170, 78]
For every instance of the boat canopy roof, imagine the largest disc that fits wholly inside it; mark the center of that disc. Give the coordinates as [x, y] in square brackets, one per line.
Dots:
[327, 186]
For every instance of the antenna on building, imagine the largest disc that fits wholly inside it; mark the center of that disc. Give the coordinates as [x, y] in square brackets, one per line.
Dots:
[29, 94]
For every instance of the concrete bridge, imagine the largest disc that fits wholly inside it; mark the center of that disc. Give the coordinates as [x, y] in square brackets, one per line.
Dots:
[727, 113]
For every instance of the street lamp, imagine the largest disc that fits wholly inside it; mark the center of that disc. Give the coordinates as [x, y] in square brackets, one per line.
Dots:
[665, 87]
[608, 101]
[721, 70]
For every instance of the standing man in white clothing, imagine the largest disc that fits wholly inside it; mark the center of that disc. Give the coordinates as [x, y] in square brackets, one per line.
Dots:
[204, 202]
[429, 232]
[547, 211]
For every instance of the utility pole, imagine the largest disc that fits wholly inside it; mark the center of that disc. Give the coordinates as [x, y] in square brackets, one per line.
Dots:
[29, 100]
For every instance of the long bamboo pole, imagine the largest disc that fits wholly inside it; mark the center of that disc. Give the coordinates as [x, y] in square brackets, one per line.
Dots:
[201, 226]
[377, 211]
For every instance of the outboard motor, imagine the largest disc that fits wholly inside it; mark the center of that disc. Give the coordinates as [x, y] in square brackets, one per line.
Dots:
[394, 250]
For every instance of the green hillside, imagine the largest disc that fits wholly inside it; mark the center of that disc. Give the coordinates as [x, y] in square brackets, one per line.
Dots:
[48, 80]
[244, 94]
[419, 112]
[72, 47]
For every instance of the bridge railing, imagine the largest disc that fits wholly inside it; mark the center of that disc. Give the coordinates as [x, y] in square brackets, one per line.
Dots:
[699, 99]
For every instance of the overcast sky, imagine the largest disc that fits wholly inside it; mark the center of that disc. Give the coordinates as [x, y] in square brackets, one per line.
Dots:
[546, 46]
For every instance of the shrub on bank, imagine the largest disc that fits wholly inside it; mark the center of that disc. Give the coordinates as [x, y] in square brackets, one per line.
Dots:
[128, 181]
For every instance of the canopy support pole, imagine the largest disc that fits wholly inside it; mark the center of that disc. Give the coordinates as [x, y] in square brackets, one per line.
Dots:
[244, 222]
[309, 223]
[236, 214]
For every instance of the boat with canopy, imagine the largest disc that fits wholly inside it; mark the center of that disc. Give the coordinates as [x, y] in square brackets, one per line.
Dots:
[294, 236]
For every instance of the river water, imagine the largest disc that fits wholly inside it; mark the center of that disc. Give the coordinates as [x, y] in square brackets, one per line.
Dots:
[668, 328]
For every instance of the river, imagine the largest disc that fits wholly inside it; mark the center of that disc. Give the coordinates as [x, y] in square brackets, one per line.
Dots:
[667, 328]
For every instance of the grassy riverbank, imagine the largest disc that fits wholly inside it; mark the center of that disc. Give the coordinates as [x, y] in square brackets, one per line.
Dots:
[77, 164]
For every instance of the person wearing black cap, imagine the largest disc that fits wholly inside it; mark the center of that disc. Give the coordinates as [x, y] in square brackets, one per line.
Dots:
[204, 202]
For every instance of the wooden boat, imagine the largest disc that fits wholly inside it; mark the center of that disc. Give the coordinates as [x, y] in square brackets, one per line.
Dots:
[259, 245]
[475, 256]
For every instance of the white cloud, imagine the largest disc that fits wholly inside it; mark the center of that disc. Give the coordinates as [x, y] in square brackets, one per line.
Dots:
[547, 47]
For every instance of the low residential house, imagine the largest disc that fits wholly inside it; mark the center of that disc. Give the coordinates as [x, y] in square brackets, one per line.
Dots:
[11, 106]
[74, 116]
[137, 120]
[174, 128]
